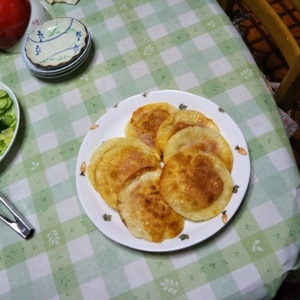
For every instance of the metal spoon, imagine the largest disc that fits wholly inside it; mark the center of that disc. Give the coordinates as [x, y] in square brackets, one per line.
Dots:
[18, 223]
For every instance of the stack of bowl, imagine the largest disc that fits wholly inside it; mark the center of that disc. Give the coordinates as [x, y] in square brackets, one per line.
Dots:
[57, 47]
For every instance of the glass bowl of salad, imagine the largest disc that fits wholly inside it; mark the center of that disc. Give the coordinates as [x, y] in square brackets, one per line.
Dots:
[9, 119]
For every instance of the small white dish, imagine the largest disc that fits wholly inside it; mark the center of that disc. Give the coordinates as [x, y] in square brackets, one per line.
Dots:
[17, 114]
[66, 71]
[62, 70]
[56, 43]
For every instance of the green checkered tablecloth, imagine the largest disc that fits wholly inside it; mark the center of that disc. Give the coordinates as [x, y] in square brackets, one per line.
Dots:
[141, 45]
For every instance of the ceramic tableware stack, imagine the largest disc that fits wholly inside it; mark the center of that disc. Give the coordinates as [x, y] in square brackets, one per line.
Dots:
[57, 47]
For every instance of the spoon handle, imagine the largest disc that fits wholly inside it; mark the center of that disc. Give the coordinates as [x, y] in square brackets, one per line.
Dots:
[18, 222]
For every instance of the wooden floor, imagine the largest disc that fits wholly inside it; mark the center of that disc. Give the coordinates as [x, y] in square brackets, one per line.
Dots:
[272, 64]
[266, 54]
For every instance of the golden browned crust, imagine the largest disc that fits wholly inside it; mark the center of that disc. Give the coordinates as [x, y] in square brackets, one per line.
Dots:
[143, 210]
[114, 161]
[178, 121]
[195, 184]
[153, 200]
[205, 139]
[145, 122]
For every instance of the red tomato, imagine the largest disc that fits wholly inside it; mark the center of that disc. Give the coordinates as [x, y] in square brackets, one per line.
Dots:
[14, 18]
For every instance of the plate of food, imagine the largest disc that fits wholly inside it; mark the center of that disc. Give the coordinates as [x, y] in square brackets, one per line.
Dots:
[162, 171]
[9, 119]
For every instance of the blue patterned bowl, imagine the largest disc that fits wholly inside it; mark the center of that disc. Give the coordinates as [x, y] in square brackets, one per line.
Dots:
[56, 43]
[61, 70]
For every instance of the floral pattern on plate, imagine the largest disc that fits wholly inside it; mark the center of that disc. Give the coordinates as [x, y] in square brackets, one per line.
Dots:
[56, 42]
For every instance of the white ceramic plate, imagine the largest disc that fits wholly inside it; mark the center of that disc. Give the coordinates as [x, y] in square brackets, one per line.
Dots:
[112, 125]
[63, 71]
[56, 42]
[17, 112]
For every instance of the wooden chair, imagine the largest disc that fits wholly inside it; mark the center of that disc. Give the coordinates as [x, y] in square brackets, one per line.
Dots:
[288, 46]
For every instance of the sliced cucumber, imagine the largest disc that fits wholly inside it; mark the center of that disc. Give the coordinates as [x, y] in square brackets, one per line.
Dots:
[3, 94]
[3, 102]
[7, 120]
[9, 103]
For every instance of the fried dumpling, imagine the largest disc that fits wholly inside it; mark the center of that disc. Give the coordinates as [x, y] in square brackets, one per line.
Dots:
[146, 120]
[180, 120]
[143, 210]
[195, 184]
[205, 139]
[114, 161]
